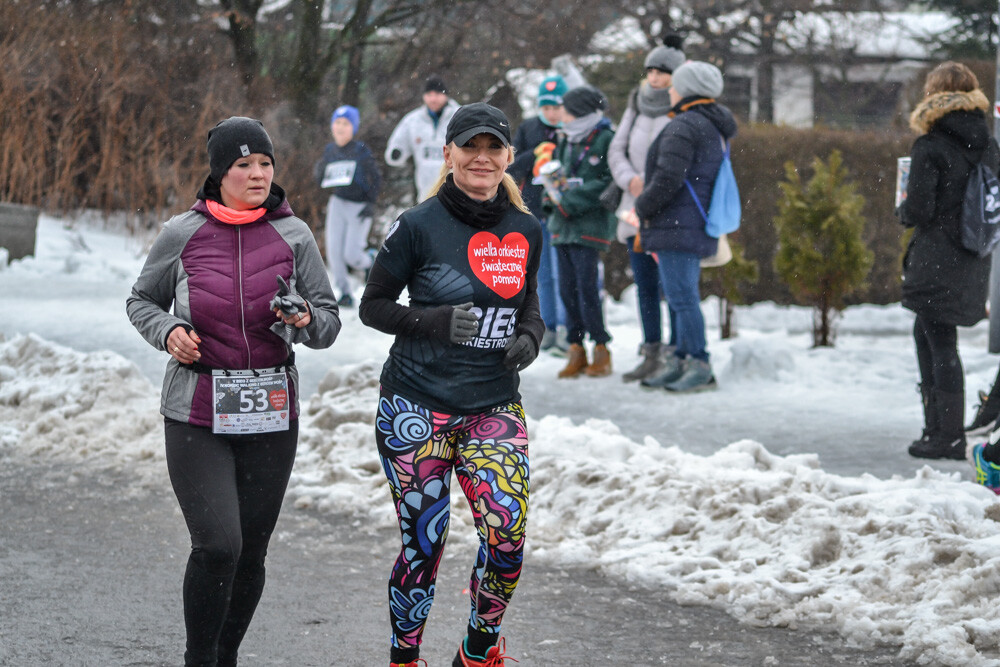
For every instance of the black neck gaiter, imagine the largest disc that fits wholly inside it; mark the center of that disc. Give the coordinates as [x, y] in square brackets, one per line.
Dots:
[478, 214]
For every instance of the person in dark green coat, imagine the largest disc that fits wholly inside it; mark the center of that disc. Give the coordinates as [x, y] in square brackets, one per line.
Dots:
[581, 228]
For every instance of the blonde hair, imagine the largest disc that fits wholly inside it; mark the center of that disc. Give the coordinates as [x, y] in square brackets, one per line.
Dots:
[950, 77]
[513, 192]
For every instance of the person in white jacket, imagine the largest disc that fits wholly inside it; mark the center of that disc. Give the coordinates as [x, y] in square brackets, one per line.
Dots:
[420, 135]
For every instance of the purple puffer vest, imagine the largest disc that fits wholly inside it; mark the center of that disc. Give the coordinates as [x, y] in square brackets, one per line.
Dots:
[232, 273]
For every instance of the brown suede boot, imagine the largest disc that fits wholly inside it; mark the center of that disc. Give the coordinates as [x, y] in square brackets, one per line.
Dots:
[576, 362]
[602, 362]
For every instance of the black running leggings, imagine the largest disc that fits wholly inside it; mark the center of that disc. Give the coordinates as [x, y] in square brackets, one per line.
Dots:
[230, 489]
[937, 355]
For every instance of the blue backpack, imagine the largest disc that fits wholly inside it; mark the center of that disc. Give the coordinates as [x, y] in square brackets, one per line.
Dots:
[724, 209]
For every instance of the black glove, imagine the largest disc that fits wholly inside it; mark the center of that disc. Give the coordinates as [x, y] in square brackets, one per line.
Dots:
[521, 351]
[368, 211]
[464, 324]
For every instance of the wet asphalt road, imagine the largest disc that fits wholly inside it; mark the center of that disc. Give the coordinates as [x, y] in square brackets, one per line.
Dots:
[91, 562]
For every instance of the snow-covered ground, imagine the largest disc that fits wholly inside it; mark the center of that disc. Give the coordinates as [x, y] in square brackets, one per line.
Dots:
[725, 498]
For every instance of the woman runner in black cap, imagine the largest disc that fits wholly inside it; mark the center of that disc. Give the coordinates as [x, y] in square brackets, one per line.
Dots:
[468, 257]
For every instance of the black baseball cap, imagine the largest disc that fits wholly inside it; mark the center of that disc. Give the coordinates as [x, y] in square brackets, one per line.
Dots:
[477, 118]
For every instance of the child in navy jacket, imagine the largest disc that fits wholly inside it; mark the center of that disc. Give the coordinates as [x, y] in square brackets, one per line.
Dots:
[348, 170]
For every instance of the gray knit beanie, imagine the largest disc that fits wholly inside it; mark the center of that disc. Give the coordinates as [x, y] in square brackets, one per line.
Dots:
[667, 57]
[234, 138]
[696, 78]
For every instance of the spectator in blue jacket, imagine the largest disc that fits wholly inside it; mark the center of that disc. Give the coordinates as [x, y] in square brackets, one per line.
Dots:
[348, 170]
[690, 148]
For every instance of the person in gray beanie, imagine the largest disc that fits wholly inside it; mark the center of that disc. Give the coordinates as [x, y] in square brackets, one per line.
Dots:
[689, 149]
[648, 112]
[666, 57]
[233, 138]
[698, 79]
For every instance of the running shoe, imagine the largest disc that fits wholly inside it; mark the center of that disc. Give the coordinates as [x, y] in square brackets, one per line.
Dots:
[494, 657]
[987, 474]
[415, 663]
[986, 414]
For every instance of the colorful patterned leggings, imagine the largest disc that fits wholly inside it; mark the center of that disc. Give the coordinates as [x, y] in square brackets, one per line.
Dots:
[489, 453]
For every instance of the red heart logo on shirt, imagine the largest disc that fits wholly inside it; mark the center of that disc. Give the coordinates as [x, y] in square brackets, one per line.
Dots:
[500, 265]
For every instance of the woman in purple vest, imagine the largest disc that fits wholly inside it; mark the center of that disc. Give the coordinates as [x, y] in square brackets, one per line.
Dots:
[227, 288]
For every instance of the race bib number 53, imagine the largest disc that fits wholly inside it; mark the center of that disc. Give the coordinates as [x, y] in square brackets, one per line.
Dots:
[245, 402]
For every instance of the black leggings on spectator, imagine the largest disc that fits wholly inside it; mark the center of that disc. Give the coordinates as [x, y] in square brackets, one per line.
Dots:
[937, 355]
[230, 489]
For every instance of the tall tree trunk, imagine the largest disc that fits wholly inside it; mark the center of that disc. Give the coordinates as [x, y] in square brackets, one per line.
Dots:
[242, 15]
[307, 70]
[765, 70]
[352, 75]
[356, 30]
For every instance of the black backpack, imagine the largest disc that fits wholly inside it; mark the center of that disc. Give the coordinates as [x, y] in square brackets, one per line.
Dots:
[979, 223]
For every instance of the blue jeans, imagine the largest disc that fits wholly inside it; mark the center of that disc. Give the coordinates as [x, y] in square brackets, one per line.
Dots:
[580, 292]
[679, 273]
[553, 312]
[646, 276]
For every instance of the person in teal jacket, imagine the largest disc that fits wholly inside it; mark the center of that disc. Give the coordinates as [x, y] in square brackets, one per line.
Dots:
[581, 228]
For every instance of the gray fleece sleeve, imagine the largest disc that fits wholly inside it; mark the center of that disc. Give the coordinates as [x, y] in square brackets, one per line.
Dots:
[148, 306]
[618, 162]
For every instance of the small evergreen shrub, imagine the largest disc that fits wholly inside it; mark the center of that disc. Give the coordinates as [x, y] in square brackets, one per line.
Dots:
[821, 256]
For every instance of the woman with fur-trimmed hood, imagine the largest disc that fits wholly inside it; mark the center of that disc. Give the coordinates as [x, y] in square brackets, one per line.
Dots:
[944, 284]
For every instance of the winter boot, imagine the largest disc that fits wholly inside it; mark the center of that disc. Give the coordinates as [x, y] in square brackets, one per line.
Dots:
[697, 376]
[561, 347]
[930, 415]
[986, 413]
[651, 365]
[601, 366]
[987, 472]
[576, 362]
[548, 340]
[671, 370]
[949, 441]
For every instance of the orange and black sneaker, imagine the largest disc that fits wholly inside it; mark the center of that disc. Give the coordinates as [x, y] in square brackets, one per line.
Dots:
[494, 657]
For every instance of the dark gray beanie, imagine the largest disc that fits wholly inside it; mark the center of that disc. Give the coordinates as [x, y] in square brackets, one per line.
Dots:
[234, 138]
[584, 100]
[697, 78]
